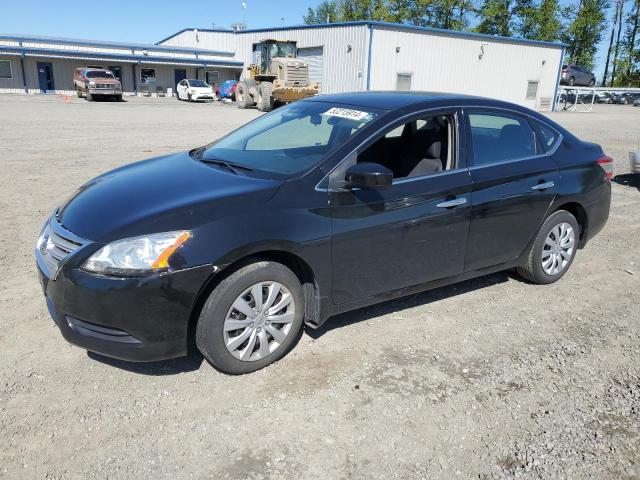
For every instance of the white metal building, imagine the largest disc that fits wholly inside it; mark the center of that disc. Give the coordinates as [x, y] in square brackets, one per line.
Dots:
[356, 56]
[342, 57]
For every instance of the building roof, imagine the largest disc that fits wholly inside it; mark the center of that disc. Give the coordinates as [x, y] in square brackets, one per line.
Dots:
[68, 48]
[103, 44]
[376, 24]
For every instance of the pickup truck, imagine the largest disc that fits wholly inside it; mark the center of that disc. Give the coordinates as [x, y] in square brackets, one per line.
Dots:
[96, 82]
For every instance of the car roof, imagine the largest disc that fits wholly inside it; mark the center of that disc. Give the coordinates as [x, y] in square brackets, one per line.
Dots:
[393, 100]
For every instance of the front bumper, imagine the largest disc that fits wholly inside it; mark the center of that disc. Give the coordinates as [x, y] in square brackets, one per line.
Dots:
[135, 319]
[105, 91]
[202, 96]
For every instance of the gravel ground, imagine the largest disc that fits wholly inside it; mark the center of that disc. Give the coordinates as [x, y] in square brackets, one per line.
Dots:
[490, 378]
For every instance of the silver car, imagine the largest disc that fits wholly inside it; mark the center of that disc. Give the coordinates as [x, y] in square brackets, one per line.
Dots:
[575, 75]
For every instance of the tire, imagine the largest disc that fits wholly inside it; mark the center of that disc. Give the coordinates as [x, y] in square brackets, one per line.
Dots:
[216, 97]
[243, 97]
[219, 308]
[189, 97]
[592, 83]
[78, 92]
[572, 81]
[89, 97]
[264, 98]
[533, 269]
[118, 98]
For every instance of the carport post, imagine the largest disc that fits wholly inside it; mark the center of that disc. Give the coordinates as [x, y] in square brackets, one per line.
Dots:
[24, 77]
[135, 84]
[555, 92]
[369, 57]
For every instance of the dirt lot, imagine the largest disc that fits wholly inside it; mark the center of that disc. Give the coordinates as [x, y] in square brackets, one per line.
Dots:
[492, 378]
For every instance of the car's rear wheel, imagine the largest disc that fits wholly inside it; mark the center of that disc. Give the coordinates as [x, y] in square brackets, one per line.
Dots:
[553, 250]
[78, 92]
[89, 97]
[592, 82]
[252, 318]
[572, 81]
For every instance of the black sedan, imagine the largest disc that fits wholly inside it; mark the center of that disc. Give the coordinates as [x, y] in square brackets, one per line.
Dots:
[320, 207]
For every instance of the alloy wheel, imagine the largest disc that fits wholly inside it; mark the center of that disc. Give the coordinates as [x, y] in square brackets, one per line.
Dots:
[558, 249]
[259, 321]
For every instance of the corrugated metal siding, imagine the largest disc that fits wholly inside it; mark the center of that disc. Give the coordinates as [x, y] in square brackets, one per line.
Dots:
[14, 84]
[224, 41]
[314, 58]
[445, 63]
[344, 71]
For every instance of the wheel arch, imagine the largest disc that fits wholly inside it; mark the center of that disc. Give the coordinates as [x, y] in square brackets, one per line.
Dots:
[580, 213]
[295, 263]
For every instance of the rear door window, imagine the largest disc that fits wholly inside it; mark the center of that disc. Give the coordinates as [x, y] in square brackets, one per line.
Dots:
[548, 137]
[500, 137]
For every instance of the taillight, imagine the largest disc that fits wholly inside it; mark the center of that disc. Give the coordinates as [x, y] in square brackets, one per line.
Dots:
[606, 163]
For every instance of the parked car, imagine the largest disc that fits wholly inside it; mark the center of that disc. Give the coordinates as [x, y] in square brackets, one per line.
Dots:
[226, 90]
[193, 90]
[626, 98]
[93, 83]
[605, 97]
[576, 75]
[636, 102]
[320, 207]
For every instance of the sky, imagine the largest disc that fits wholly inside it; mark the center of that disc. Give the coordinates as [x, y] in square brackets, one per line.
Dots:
[149, 21]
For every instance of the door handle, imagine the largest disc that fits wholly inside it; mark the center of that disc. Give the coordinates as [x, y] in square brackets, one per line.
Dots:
[543, 186]
[452, 203]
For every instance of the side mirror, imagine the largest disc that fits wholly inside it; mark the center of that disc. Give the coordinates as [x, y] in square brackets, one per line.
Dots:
[372, 176]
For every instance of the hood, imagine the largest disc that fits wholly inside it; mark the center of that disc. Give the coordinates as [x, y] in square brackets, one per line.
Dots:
[158, 195]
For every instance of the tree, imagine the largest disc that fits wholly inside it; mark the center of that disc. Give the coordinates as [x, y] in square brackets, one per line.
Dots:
[538, 21]
[629, 63]
[326, 12]
[585, 32]
[496, 17]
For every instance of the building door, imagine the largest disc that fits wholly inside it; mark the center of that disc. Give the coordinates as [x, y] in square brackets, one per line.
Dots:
[314, 58]
[403, 82]
[45, 77]
[117, 72]
[180, 74]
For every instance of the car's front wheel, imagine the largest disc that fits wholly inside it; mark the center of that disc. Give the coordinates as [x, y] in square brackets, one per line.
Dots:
[252, 318]
[553, 250]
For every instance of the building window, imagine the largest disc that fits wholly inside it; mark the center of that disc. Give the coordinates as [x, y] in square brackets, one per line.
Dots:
[532, 90]
[5, 69]
[212, 78]
[147, 75]
[403, 82]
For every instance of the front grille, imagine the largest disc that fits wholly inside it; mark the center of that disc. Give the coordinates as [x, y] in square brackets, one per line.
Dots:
[55, 245]
[296, 76]
[105, 86]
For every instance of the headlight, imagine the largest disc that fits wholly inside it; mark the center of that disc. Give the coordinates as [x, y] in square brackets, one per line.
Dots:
[137, 256]
[92, 84]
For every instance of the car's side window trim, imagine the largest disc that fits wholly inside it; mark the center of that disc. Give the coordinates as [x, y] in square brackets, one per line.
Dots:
[325, 184]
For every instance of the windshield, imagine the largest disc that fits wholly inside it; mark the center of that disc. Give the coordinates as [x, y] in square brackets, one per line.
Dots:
[291, 139]
[100, 74]
[197, 83]
[282, 50]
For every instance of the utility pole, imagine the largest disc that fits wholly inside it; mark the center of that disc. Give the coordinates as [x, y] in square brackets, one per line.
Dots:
[632, 43]
[619, 7]
[613, 31]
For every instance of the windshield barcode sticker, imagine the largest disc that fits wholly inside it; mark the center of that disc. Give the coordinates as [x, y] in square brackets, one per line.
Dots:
[346, 113]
